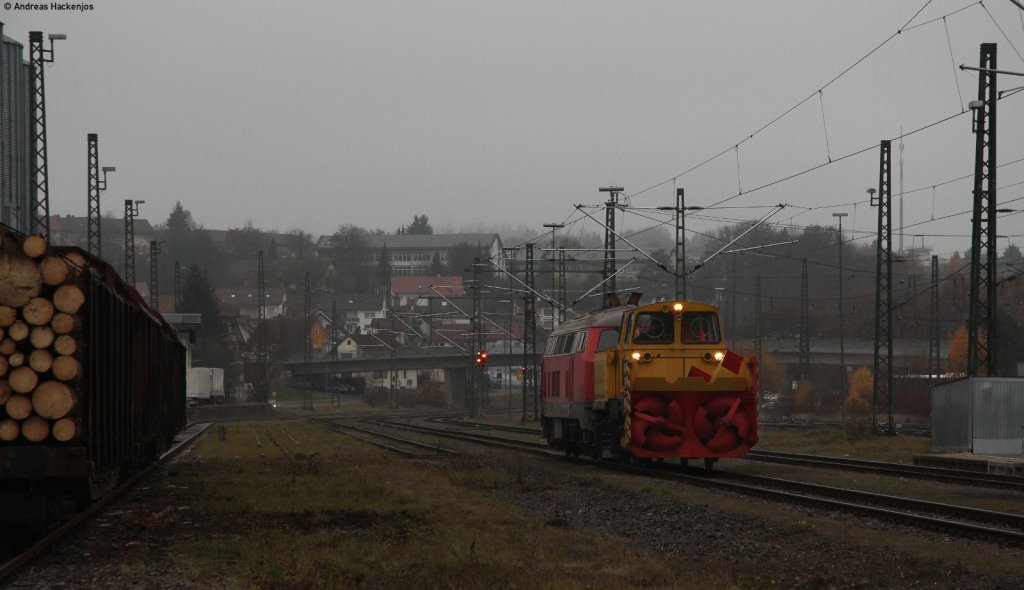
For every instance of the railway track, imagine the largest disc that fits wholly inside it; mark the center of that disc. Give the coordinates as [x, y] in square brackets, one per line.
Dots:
[954, 520]
[970, 478]
[954, 476]
[377, 438]
[13, 565]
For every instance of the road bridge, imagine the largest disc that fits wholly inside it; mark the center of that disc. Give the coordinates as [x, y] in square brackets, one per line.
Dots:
[859, 352]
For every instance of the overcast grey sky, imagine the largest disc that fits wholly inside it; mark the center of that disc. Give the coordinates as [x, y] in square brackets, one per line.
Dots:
[313, 114]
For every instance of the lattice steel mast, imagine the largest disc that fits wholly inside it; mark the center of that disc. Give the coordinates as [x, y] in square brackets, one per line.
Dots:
[981, 330]
[39, 204]
[805, 324]
[882, 391]
[530, 343]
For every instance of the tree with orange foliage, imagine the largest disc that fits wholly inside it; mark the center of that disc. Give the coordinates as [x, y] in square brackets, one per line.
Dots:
[958, 350]
[862, 384]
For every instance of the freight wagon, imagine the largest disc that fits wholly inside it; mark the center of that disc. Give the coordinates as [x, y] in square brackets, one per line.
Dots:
[94, 392]
[648, 382]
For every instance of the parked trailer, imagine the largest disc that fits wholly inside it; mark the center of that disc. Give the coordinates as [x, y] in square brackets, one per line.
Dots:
[128, 394]
[204, 385]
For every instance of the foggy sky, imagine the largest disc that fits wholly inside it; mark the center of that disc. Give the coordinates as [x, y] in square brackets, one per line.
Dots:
[314, 114]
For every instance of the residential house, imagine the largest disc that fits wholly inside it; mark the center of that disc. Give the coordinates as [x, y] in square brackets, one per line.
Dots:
[358, 310]
[413, 254]
[245, 302]
[71, 230]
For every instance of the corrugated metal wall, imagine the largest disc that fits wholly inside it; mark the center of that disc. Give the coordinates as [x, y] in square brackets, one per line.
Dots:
[980, 415]
[15, 133]
[951, 412]
[998, 415]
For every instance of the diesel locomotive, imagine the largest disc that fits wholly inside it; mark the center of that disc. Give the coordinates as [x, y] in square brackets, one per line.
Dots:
[648, 382]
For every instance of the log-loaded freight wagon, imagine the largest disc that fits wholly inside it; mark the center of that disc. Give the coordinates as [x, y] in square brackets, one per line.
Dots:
[92, 380]
[648, 382]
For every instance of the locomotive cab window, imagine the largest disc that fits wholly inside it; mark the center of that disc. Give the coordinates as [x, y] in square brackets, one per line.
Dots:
[700, 326]
[608, 339]
[654, 327]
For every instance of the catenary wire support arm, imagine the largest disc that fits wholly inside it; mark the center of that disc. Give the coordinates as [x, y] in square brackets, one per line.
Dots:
[543, 296]
[462, 311]
[761, 246]
[763, 219]
[598, 286]
[621, 237]
[991, 71]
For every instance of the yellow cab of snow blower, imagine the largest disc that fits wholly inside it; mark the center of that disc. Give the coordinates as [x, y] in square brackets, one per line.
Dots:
[683, 394]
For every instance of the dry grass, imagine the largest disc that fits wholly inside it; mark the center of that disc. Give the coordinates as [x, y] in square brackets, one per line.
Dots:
[852, 443]
[332, 512]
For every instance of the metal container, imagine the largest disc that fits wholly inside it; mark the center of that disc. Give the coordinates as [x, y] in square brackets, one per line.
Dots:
[979, 415]
[15, 133]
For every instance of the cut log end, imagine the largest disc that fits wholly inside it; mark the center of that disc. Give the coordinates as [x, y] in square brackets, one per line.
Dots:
[65, 429]
[9, 429]
[38, 311]
[53, 399]
[19, 407]
[64, 345]
[34, 246]
[68, 298]
[63, 323]
[66, 368]
[23, 380]
[54, 270]
[40, 360]
[35, 429]
[7, 315]
[18, 331]
[41, 337]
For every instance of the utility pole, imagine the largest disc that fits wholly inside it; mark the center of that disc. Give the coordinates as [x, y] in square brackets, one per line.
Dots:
[805, 324]
[154, 275]
[933, 332]
[553, 227]
[608, 273]
[981, 331]
[307, 350]
[561, 286]
[261, 318]
[530, 344]
[96, 186]
[131, 210]
[39, 206]
[842, 339]
[757, 317]
[733, 304]
[882, 391]
[475, 339]
[680, 245]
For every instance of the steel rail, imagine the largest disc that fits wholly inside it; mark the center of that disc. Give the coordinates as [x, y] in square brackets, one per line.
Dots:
[957, 476]
[15, 564]
[959, 528]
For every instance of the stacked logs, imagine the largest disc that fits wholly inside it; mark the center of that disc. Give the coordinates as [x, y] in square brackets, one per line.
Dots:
[40, 349]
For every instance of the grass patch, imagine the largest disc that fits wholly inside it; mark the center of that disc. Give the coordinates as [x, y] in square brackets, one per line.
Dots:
[332, 512]
[833, 441]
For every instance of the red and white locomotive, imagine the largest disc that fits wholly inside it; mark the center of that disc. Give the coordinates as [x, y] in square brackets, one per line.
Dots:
[650, 381]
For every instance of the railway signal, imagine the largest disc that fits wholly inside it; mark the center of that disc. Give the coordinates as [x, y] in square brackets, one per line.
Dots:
[481, 360]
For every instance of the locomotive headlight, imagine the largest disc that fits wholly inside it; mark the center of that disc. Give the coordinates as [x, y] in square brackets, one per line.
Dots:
[719, 356]
[641, 357]
[636, 356]
[677, 307]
